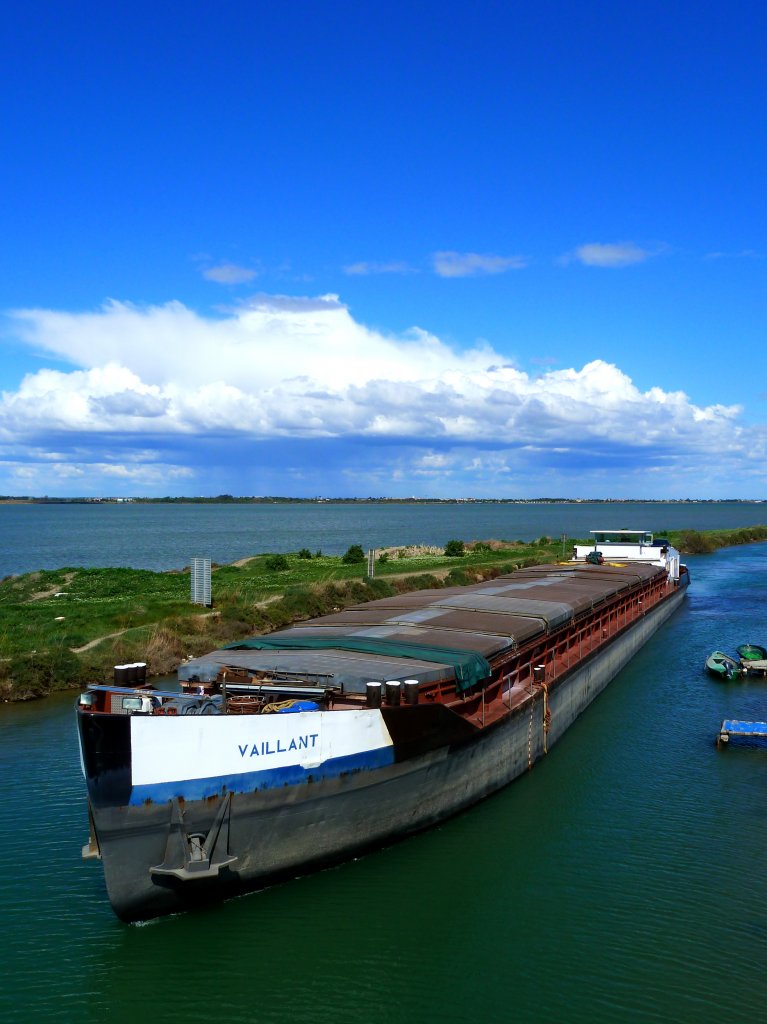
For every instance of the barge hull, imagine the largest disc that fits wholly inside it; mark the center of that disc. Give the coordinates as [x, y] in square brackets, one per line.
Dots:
[269, 835]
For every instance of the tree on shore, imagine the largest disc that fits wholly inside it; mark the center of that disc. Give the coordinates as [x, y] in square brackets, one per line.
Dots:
[354, 555]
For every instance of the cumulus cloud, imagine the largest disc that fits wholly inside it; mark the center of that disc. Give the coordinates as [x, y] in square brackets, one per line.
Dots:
[301, 382]
[256, 348]
[229, 273]
[473, 264]
[615, 254]
[129, 403]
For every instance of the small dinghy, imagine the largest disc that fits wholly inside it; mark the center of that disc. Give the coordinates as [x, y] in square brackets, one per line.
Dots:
[751, 652]
[722, 666]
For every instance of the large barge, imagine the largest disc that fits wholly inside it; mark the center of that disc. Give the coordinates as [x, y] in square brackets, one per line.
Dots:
[287, 752]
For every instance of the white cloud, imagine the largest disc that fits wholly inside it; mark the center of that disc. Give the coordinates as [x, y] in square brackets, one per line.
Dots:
[130, 403]
[229, 273]
[473, 264]
[615, 254]
[154, 385]
[47, 477]
[266, 344]
[743, 254]
[394, 267]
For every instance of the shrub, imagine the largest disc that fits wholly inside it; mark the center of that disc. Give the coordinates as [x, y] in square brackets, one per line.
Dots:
[481, 547]
[454, 549]
[383, 557]
[356, 592]
[503, 569]
[303, 603]
[694, 543]
[379, 588]
[164, 649]
[34, 675]
[354, 555]
[276, 563]
[424, 581]
[304, 553]
[234, 607]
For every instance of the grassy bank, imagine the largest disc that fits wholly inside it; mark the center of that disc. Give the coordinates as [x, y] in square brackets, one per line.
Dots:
[60, 629]
[695, 542]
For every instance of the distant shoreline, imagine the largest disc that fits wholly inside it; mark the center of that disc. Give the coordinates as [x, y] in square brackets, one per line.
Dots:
[278, 500]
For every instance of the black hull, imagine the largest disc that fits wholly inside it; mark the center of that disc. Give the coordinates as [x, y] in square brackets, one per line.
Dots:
[255, 839]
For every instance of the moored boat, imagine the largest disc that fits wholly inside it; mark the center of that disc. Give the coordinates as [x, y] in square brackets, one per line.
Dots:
[752, 734]
[307, 746]
[752, 652]
[722, 666]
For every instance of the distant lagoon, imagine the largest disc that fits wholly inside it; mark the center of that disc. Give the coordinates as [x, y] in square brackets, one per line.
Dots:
[168, 536]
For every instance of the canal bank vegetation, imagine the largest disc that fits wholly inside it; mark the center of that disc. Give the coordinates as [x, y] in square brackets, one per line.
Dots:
[62, 628]
[696, 542]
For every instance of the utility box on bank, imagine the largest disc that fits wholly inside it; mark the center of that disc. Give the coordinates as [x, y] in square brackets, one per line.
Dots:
[201, 581]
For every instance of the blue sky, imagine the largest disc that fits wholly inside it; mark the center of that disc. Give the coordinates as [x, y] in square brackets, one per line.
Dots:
[495, 249]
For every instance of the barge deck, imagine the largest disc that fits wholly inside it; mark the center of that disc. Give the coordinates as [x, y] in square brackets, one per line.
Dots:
[313, 744]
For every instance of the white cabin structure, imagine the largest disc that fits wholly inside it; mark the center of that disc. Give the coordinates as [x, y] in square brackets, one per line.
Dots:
[631, 546]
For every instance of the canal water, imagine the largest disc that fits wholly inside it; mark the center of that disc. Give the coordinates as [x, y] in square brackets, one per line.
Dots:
[622, 880]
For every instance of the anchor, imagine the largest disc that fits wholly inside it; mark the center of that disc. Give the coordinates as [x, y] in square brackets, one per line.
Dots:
[194, 856]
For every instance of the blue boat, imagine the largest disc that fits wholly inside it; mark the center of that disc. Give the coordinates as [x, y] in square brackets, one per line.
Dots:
[752, 734]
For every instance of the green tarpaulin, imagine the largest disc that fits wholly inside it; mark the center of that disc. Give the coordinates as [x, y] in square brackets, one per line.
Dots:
[468, 666]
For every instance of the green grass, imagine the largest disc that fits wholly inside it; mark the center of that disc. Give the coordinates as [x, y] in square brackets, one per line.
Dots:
[154, 620]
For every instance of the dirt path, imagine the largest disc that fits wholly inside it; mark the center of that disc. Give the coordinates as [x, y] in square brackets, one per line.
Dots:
[98, 640]
[111, 636]
[54, 590]
[440, 574]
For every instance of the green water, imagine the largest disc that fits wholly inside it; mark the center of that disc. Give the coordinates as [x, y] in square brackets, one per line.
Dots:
[622, 880]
